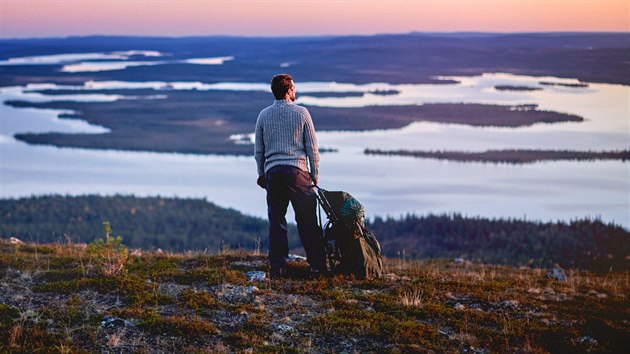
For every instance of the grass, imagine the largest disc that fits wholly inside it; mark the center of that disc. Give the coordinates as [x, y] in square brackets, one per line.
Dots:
[54, 299]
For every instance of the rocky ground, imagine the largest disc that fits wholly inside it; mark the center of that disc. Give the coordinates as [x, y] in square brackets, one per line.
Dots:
[71, 299]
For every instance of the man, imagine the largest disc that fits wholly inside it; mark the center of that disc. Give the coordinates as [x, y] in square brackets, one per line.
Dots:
[285, 148]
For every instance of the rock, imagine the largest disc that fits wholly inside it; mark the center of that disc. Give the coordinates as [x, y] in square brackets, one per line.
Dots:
[588, 341]
[458, 260]
[508, 304]
[296, 258]
[252, 289]
[15, 241]
[136, 253]
[256, 275]
[172, 289]
[236, 294]
[249, 264]
[459, 306]
[557, 273]
[394, 277]
[535, 291]
[113, 322]
[474, 350]
[283, 327]
[391, 277]
[593, 292]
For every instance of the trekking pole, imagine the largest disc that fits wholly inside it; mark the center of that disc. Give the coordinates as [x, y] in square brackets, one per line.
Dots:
[319, 212]
[321, 197]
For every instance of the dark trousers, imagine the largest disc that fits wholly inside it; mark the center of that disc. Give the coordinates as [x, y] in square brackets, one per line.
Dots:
[290, 184]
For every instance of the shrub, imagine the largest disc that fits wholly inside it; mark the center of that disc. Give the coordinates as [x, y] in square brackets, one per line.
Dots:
[110, 252]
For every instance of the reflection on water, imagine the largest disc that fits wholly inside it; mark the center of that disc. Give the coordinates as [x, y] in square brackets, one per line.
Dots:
[386, 185]
[104, 66]
[92, 62]
[56, 59]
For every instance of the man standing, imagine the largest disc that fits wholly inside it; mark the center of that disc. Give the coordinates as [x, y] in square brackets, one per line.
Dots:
[285, 148]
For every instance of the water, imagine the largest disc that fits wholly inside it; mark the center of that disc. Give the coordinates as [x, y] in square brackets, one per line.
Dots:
[385, 185]
[91, 62]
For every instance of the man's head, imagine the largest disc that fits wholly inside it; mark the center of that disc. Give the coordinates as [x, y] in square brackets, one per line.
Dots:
[282, 87]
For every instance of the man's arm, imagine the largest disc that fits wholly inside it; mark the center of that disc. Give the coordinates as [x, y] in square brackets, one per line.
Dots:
[259, 152]
[310, 144]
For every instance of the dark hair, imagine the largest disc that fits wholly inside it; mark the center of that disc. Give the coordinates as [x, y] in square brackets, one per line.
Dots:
[280, 84]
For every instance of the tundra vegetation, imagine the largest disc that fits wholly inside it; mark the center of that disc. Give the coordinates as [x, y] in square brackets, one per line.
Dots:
[60, 297]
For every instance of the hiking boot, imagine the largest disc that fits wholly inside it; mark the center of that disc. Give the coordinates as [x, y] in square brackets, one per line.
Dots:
[277, 273]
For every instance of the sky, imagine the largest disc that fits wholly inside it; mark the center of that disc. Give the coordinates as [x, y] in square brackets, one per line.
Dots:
[54, 18]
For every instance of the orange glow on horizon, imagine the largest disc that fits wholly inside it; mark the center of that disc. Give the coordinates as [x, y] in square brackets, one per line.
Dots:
[24, 18]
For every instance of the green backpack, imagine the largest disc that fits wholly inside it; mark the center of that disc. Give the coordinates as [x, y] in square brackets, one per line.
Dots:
[350, 247]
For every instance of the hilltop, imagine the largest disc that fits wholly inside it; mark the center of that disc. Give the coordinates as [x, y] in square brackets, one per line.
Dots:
[58, 298]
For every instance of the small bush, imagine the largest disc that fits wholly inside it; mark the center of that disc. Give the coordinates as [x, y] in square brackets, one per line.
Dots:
[110, 252]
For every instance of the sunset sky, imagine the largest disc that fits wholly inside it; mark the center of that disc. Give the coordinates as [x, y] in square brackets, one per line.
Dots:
[41, 18]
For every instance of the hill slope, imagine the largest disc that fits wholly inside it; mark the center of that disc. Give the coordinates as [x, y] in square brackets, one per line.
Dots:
[55, 298]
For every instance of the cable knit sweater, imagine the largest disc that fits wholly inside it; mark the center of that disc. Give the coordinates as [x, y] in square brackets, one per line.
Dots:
[285, 135]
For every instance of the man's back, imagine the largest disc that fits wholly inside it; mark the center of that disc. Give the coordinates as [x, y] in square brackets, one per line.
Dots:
[285, 136]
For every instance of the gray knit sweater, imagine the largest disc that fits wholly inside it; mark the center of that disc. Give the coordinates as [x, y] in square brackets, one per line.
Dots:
[285, 136]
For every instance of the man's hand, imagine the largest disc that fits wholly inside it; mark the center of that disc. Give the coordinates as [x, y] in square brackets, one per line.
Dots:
[262, 182]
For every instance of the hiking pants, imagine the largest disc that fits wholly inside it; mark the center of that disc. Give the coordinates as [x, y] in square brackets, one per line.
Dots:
[290, 184]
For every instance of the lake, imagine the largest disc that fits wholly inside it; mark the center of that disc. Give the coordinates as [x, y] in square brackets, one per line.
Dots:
[386, 185]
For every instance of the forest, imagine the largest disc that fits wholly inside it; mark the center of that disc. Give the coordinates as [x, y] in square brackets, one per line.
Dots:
[196, 224]
[512, 156]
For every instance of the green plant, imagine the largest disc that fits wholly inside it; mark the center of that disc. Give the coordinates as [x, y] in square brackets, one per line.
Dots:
[109, 252]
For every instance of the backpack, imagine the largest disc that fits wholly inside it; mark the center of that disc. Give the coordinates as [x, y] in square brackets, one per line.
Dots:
[350, 247]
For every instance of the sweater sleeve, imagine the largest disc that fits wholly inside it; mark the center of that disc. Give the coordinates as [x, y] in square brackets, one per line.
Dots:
[310, 145]
[259, 148]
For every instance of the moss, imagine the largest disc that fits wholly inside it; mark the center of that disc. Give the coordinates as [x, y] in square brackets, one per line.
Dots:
[132, 288]
[254, 332]
[36, 338]
[385, 328]
[277, 349]
[63, 262]
[38, 249]
[180, 326]
[205, 261]
[322, 288]
[102, 285]
[414, 332]
[355, 323]
[8, 314]
[209, 276]
[155, 268]
[197, 300]
[15, 261]
[148, 315]
[68, 316]
[57, 275]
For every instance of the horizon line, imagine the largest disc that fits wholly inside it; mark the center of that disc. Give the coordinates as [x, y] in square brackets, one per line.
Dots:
[472, 32]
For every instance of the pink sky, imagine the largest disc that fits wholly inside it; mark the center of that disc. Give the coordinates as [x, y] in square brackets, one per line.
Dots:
[28, 18]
